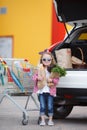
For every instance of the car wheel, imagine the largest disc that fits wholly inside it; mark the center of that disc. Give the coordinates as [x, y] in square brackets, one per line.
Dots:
[62, 111]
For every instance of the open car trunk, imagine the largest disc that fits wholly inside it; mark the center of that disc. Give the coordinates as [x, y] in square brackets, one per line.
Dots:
[73, 12]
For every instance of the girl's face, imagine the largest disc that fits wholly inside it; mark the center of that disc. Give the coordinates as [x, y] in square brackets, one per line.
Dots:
[46, 59]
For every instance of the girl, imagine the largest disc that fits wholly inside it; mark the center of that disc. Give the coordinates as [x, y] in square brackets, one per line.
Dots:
[46, 92]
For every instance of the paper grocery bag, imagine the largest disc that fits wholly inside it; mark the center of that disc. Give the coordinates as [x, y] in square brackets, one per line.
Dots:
[63, 57]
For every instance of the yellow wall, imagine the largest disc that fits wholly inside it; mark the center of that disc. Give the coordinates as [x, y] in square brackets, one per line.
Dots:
[29, 22]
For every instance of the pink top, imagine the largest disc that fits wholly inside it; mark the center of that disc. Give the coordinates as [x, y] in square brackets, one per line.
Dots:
[52, 89]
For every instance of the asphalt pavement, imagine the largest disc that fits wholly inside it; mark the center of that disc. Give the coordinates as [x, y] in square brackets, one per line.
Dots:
[11, 116]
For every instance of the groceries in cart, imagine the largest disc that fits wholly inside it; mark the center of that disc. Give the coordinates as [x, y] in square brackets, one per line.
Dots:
[17, 71]
[2, 72]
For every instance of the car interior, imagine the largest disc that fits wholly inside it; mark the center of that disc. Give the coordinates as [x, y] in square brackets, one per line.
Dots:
[78, 48]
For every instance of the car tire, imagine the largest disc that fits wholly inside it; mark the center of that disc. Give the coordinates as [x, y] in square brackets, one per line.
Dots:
[61, 112]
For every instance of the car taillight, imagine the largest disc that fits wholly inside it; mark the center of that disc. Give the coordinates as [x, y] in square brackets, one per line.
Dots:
[68, 96]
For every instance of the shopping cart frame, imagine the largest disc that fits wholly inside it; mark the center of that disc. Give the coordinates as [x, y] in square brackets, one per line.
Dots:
[8, 94]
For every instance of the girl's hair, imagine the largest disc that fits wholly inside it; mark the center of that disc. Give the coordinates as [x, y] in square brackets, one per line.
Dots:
[53, 62]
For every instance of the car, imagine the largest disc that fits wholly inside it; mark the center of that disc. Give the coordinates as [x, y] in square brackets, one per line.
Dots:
[72, 89]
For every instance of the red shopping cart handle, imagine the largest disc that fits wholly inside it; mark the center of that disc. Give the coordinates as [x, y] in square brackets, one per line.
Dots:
[26, 69]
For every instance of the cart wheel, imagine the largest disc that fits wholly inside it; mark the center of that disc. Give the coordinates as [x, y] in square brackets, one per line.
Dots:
[24, 116]
[24, 121]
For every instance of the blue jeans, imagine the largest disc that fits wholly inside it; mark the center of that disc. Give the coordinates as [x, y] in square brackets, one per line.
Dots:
[46, 103]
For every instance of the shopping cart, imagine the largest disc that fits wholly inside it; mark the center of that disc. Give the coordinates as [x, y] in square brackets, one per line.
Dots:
[16, 80]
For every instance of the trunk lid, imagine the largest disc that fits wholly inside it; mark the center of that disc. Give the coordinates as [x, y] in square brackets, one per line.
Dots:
[71, 11]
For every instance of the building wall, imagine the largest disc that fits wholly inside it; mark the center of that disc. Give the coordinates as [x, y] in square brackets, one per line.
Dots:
[29, 22]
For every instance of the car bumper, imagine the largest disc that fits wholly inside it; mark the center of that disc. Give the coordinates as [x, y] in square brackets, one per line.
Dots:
[71, 96]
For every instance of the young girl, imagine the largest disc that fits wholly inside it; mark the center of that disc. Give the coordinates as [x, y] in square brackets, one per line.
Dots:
[45, 91]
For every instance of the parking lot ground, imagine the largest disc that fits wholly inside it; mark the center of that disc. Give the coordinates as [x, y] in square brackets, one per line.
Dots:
[11, 117]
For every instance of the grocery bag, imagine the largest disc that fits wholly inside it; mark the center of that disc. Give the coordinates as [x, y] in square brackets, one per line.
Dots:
[63, 57]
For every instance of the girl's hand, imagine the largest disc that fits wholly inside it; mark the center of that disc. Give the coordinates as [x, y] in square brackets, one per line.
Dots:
[49, 80]
[39, 78]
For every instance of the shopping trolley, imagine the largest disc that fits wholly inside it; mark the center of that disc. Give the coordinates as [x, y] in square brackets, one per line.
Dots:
[16, 80]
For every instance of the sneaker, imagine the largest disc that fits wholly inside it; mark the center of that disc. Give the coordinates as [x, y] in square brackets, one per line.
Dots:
[42, 123]
[50, 123]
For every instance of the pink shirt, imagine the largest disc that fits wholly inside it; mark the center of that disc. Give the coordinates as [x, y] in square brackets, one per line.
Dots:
[52, 89]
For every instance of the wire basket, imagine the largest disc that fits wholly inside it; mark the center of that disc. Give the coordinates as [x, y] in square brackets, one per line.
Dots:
[24, 72]
[17, 75]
